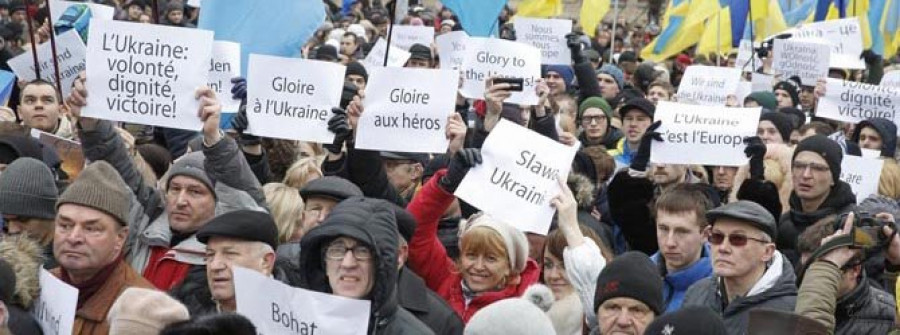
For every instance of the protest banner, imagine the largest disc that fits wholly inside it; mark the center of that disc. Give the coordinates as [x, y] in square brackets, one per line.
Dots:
[548, 35]
[488, 57]
[743, 89]
[290, 310]
[224, 65]
[407, 110]
[70, 54]
[69, 152]
[807, 60]
[862, 174]
[708, 85]
[891, 79]
[404, 36]
[54, 309]
[452, 49]
[58, 8]
[849, 101]
[291, 98]
[743, 61]
[518, 177]
[845, 37]
[761, 82]
[703, 135]
[146, 74]
[375, 58]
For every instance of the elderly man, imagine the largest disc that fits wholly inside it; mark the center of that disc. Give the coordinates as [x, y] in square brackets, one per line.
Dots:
[39, 108]
[629, 295]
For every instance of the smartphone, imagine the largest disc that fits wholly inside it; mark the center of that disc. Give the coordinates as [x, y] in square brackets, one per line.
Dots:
[515, 84]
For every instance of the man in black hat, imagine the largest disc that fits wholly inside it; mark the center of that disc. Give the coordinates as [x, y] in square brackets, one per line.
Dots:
[357, 75]
[637, 115]
[628, 295]
[420, 57]
[320, 196]
[326, 53]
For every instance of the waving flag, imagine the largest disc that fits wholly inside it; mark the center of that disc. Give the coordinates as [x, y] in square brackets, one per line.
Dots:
[540, 8]
[592, 12]
[478, 17]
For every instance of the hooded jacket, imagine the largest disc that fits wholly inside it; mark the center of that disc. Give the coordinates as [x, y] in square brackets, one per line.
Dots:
[886, 129]
[794, 222]
[372, 223]
[678, 282]
[24, 255]
[865, 310]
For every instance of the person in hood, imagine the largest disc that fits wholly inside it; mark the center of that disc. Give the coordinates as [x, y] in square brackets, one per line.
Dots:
[28, 197]
[748, 273]
[40, 108]
[353, 254]
[879, 136]
[594, 116]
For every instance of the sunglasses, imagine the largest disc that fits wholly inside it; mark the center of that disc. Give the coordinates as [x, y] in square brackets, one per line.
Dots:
[737, 240]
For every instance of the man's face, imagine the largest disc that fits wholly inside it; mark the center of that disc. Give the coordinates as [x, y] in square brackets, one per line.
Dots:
[175, 16]
[351, 273]
[624, 316]
[732, 261]
[783, 98]
[36, 229]
[134, 12]
[635, 124]
[348, 45]
[418, 63]
[222, 253]
[39, 107]
[869, 138]
[315, 211]
[679, 237]
[609, 89]
[594, 123]
[556, 83]
[657, 94]
[357, 80]
[811, 176]
[190, 204]
[723, 177]
[628, 67]
[768, 133]
[402, 173]
[18, 17]
[85, 239]
[667, 174]
[807, 98]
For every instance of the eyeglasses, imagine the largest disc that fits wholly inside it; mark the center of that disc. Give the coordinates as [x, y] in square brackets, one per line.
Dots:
[737, 240]
[800, 167]
[338, 251]
[592, 119]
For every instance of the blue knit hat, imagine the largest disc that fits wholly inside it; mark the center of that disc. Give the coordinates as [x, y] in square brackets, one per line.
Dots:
[564, 71]
[613, 71]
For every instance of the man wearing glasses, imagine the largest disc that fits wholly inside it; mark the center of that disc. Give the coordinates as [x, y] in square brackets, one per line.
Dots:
[748, 273]
[594, 116]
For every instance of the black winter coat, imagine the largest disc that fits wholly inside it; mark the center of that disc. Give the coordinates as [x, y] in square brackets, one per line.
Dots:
[427, 306]
[865, 310]
[793, 223]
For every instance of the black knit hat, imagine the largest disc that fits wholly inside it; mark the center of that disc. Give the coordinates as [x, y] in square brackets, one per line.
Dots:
[782, 122]
[691, 320]
[358, 69]
[242, 224]
[825, 147]
[792, 88]
[631, 275]
[640, 104]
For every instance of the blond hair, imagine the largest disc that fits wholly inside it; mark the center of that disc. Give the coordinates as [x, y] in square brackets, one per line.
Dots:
[285, 205]
[302, 172]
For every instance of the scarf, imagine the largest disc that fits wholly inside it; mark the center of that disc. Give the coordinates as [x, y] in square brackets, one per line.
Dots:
[87, 289]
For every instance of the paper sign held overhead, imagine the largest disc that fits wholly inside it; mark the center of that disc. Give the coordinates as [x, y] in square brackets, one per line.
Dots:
[744, 62]
[224, 65]
[708, 85]
[703, 135]
[60, 8]
[846, 40]
[452, 49]
[862, 174]
[403, 36]
[487, 57]
[548, 35]
[70, 52]
[891, 79]
[518, 177]
[54, 309]
[806, 60]
[854, 102]
[396, 58]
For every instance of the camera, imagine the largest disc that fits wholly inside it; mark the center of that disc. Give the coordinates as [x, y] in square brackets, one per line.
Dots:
[867, 231]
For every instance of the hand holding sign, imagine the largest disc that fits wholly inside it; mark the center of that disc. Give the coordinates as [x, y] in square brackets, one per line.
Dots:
[459, 166]
[456, 133]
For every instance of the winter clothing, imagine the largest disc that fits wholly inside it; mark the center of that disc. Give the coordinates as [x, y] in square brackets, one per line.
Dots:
[594, 102]
[622, 153]
[678, 282]
[748, 212]
[631, 275]
[28, 190]
[688, 321]
[886, 129]
[840, 200]
[142, 311]
[765, 99]
[525, 315]
[639, 104]
[865, 310]
[614, 72]
[825, 147]
[355, 68]
[419, 51]
[583, 266]
[330, 187]
[99, 187]
[782, 122]
[514, 241]
[612, 138]
[191, 165]
[773, 322]
[24, 255]
[425, 305]
[791, 88]
[18, 320]
[566, 72]
[242, 224]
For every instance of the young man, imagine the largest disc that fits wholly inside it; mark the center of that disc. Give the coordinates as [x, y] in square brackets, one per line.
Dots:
[39, 108]
[637, 116]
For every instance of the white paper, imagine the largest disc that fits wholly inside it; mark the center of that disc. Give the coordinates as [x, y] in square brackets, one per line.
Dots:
[807, 60]
[224, 65]
[54, 309]
[403, 37]
[98, 11]
[486, 57]
[854, 102]
[703, 135]
[862, 174]
[891, 78]
[194, 3]
[744, 62]
[276, 308]
[518, 177]
[375, 58]
[291, 98]
[161, 66]
[744, 88]
[406, 110]
[452, 49]
[548, 35]
[70, 53]
[846, 40]
[761, 82]
[708, 85]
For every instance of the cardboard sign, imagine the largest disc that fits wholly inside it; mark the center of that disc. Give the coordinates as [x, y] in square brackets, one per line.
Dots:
[703, 135]
[291, 98]
[518, 177]
[487, 57]
[58, 9]
[845, 36]
[854, 102]
[403, 37]
[452, 49]
[862, 174]
[406, 110]
[807, 60]
[54, 309]
[283, 309]
[70, 53]
[70, 152]
[548, 35]
[396, 58]
[146, 74]
[891, 79]
[224, 65]
[744, 62]
[708, 85]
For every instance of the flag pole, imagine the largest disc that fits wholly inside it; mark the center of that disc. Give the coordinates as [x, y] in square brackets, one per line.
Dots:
[612, 39]
[719, 38]
[53, 51]
[30, 11]
[387, 49]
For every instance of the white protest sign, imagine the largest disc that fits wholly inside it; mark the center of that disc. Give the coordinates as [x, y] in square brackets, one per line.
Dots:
[194, 3]
[224, 65]
[283, 309]
[807, 60]
[845, 37]
[146, 74]
[703, 135]
[70, 56]
[396, 58]
[761, 82]
[54, 309]
[891, 79]
[849, 101]
[291, 98]
[548, 35]
[404, 37]
[98, 11]
[862, 174]
[518, 177]
[487, 57]
[452, 49]
[407, 110]
[743, 61]
[744, 88]
[708, 85]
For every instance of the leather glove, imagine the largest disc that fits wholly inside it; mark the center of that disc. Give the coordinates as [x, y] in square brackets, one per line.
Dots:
[574, 44]
[240, 123]
[459, 165]
[239, 90]
[338, 125]
[642, 157]
[756, 151]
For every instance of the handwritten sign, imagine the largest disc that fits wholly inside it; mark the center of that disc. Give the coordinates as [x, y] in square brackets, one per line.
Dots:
[708, 85]
[224, 65]
[487, 57]
[452, 49]
[862, 174]
[70, 55]
[744, 62]
[846, 40]
[396, 58]
[849, 101]
[403, 37]
[548, 35]
[54, 309]
[809, 61]
[704, 135]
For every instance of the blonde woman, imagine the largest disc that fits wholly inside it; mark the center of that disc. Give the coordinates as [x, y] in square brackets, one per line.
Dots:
[302, 172]
[285, 205]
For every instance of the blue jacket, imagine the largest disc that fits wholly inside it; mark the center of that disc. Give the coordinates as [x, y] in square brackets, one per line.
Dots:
[677, 283]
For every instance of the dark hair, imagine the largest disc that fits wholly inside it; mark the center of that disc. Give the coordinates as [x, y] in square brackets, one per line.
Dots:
[821, 128]
[157, 157]
[40, 82]
[355, 38]
[212, 324]
[556, 242]
[685, 198]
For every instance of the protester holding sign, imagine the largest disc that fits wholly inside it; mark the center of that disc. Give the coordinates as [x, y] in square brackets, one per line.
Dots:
[637, 116]
[880, 135]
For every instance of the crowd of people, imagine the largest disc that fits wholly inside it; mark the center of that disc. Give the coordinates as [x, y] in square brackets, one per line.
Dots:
[151, 228]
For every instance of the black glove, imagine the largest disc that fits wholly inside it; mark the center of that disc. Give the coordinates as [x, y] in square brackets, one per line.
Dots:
[870, 57]
[642, 157]
[460, 164]
[756, 151]
[338, 125]
[574, 44]
[239, 90]
[240, 123]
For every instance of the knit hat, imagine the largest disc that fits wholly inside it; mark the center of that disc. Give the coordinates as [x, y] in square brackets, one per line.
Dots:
[514, 240]
[331, 187]
[627, 56]
[594, 102]
[566, 72]
[242, 224]
[613, 71]
[640, 104]
[791, 88]
[192, 165]
[7, 282]
[765, 99]
[746, 211]
[419, 51]
[525, 315]
[100, 187]
[141, 311]
[326, 52]
[631, 275]
[782, 122]
[825, 147]
[358, 69]
[689, 320]
[27, 189]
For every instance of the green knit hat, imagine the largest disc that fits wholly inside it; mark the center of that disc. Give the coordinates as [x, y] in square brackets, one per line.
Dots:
[594, 102]
[100, 187]
[766, 99]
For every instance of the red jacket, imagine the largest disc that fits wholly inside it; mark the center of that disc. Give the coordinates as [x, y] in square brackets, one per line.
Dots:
[429, 260]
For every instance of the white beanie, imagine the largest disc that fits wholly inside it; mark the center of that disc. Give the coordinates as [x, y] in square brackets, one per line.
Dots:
[521, 316]
[514, 240]
[140, 311]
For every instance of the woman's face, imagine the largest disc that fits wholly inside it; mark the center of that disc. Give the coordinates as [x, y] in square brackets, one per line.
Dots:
[484, 271]
[555, 276]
